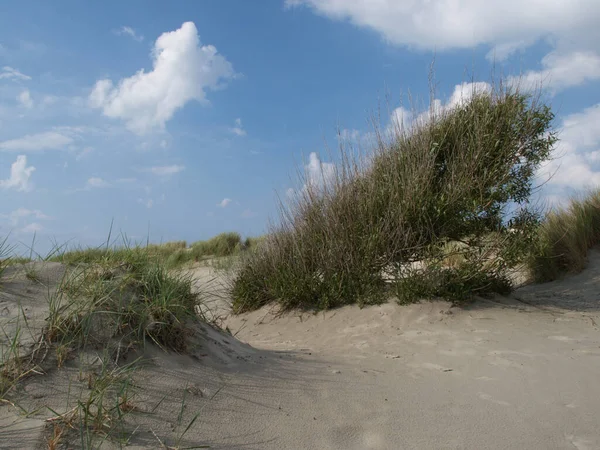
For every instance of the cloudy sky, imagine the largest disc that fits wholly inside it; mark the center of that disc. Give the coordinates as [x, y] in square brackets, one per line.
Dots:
[179, 120]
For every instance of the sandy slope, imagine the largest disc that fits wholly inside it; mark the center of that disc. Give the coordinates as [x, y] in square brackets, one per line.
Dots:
[510, 373]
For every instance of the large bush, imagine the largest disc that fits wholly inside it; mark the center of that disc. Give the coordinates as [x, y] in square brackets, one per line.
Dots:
[463, 175]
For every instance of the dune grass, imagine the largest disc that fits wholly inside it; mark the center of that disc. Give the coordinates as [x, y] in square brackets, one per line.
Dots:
[172, 254]
[565, 237]
[129, 293]
[461, 175]
[111, 303]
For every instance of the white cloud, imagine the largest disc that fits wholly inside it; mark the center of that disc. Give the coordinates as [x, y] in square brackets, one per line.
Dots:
[32, 228]
[19, 176]
[224, 203]
[24, 99]
[182, 71]
[317, 176]
[238, 129]
[97, 182]
[50, 140]
[502, 51]
[445, 24]
[128, 31]
[9, 73]
[464, 93]
[576, 152]
[164, 170]
[403, 119]
[563, 70]
[22, 213]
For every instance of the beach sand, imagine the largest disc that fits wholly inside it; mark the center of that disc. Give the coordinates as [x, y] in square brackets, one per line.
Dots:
[519, 372]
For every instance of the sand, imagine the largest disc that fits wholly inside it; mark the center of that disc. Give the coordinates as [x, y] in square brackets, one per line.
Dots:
[519, 372]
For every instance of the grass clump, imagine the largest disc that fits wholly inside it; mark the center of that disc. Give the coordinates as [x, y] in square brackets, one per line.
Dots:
[224, 244]
[126, 295]
[565, 237]
[462, 175]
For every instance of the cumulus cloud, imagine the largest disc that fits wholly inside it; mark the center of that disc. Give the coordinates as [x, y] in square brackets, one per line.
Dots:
[575, 165]
[128, 31]
[8, 73]
[164, 171]
[402, 119]
[24, 99]
[19, 177]
[317, 176]
[238, 129]
[183, 70]
[464, 93]
[318, 173]
[563, 70]
[224, 203]
[50, 140]
[504, 25]
[445, 24]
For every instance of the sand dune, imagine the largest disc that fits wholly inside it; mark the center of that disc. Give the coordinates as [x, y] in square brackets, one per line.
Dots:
[518, 372]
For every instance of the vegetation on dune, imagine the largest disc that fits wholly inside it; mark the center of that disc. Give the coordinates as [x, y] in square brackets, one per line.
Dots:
[224, 244]
[564, 238]
[383, 224]
[172, 254]
[130, 294]
[107, 306]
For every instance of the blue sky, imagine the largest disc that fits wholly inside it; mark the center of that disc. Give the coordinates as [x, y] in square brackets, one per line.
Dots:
[179, 120]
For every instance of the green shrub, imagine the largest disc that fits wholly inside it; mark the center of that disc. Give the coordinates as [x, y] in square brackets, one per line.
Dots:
[464, 175]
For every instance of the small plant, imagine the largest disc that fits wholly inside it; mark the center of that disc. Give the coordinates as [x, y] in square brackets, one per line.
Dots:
[15, 364]
[102, 410]
[54, 440]
[62, 354]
